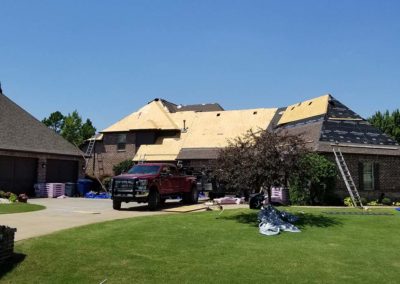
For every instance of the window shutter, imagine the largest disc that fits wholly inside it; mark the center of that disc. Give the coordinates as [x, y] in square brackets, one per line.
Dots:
[376, 177]
[360, 176]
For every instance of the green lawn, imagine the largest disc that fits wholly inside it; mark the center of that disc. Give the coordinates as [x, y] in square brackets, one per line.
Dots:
[19, 208]
[200, 248]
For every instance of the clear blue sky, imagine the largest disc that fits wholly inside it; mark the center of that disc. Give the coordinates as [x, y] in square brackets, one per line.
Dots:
[107, 58]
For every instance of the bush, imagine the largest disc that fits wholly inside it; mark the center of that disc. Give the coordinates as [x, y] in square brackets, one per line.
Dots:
[364, 201]
[348, 202]
[315, 183]
[3, 194]
[374, 203]
[123, 167]
[387, 201]
[13, 198]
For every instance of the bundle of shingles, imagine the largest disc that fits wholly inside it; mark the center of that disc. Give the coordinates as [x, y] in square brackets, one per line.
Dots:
[50, 190]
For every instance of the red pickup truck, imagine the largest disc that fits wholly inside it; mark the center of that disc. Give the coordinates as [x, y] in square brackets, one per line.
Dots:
[153, 184]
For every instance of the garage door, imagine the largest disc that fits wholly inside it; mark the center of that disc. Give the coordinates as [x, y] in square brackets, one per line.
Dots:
[18, 175]
[61, 171]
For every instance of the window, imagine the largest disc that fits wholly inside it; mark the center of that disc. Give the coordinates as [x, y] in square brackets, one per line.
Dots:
[369, 176]
[121, 142]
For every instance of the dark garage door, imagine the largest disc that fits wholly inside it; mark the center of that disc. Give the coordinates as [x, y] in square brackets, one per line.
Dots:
[61, 171]
[17, 174]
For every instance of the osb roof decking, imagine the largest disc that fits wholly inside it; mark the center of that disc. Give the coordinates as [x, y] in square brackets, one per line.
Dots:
[20, 131]
[306, 109]
[207, 130]
[152, 116]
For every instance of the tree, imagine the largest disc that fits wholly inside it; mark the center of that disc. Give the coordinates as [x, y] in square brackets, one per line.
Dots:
[388, 123]
[55, 121]
[70, 127]
[314, 182]
[259, 160]
[123, 167]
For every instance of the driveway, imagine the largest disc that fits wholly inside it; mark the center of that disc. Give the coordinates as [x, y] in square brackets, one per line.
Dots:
[68, 213]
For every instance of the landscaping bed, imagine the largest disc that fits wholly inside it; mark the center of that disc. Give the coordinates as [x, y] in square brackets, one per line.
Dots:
[207, 248]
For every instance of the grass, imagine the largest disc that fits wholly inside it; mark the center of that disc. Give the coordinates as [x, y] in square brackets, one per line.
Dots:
[19, 208]
[202, 248]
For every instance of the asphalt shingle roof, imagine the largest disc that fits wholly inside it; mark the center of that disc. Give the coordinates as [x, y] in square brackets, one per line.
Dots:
[20, 131]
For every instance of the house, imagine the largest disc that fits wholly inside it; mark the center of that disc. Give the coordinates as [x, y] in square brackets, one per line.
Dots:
[164, 132]
[32, 153]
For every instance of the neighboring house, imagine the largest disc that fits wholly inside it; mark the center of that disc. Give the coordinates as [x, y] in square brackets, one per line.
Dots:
[164, 132]
[32, 153]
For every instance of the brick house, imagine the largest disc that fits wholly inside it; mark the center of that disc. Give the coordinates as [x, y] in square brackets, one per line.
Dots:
[165, 132]
[32, 153]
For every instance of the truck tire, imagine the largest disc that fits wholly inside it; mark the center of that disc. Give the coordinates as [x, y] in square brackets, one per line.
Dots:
[191, 197]
[116, 205]
[154, 200]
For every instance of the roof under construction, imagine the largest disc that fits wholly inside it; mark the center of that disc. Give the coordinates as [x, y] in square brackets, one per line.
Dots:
[322, 122]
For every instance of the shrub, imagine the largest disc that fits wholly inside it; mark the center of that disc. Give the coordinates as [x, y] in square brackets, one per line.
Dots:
[348, 202]
[373, 203]
[123, 167]
[316, 181]
[396, 204]
[386, 201]
[23, 198]
[364, 200]
[13, 198]
[3, 194]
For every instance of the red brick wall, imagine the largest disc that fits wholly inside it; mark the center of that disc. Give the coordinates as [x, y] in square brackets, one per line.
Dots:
[107, 152]
[389, 175]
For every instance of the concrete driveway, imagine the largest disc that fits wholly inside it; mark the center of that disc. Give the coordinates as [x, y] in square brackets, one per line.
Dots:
[68, 213]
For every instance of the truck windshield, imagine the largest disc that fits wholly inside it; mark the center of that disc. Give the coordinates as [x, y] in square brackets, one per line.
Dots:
[143, 169]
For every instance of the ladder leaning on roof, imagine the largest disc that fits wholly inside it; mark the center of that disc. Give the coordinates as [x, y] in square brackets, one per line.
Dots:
[348, 179]
[89, 151]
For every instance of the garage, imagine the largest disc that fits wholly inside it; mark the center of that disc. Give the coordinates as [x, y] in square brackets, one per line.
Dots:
[18, 174]
[61, 171]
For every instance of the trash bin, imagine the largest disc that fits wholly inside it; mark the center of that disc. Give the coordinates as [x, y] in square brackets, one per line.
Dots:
[70, 189]
[84, 186]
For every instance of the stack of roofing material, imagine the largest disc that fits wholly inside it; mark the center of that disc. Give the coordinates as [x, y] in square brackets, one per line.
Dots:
[280, 195]
[50, 190]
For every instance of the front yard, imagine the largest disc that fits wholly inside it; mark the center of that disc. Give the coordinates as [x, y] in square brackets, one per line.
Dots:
[202, 248]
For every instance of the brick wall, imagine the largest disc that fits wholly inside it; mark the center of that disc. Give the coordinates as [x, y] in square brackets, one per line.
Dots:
[389, 175]
[106, 154]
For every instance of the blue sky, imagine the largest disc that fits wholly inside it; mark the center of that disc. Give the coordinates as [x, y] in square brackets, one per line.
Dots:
[108, 58]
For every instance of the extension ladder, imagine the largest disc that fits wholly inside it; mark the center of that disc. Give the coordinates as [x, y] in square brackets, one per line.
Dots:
[348, 179]
[89, 151]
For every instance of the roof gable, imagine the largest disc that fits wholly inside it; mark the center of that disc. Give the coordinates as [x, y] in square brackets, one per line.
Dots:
[20, 131]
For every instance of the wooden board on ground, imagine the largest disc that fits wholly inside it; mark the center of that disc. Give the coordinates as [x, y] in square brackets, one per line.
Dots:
[186, 209]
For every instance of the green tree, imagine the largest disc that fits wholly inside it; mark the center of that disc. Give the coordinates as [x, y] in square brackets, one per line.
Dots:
[388, 123]
[71, 129]
[55, 121]
[70, 126]
[123, 167]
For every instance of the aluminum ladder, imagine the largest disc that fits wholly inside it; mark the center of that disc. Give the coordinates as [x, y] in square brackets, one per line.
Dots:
[89, 151]
[348, 179]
